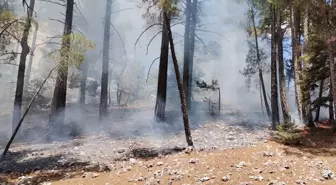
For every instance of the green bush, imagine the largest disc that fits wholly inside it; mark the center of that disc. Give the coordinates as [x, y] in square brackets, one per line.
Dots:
[287, 133]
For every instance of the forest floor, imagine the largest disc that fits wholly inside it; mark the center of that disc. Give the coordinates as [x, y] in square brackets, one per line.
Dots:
[224, 154]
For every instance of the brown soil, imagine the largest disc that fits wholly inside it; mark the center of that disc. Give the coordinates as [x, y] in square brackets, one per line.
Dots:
[265, 163]
[289, 165]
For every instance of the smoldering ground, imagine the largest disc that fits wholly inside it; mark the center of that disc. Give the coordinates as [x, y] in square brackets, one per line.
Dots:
[125, 138]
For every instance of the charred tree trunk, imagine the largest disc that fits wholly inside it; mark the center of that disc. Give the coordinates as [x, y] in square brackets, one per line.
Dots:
[261, 78]
[105, 65]
[30, 62]
[274, 81]
[57, 113]
[282, 78]
[161, 95]
[22, 67]
[16, 61]
[187, 55]
[317, 115]
[84, 70]
[119, 94]
[261, 100]
[109, 90]
[192, 49]
[179, 84]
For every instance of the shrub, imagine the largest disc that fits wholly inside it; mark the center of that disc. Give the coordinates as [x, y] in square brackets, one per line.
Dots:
[287, 133]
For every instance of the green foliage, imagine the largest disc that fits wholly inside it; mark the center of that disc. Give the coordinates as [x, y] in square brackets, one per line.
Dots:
[316, 67]
[287, 133]
[73, 55]
[321, 102]
[169, 6]
[11, 31]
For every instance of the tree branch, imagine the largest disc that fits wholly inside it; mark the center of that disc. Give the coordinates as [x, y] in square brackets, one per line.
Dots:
[121, 40]
[151, 41]
[6, 26]
[150, 68]
[53, 2]
[143, 32]
[208, 31]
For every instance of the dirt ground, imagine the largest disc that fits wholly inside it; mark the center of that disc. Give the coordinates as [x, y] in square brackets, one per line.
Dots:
[265, 163]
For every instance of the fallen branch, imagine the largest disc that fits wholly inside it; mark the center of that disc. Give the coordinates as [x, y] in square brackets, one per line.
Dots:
[24, 115]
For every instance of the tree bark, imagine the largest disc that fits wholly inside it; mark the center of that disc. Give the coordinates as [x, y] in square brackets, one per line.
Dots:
[261, 100]
[307, 112]
[331, 104]
[105, 64]
[30, 62]
[186, 54]
[22, 67]
[84, 71]
[317, 115]
[161, 95]
[274, 81]
[192, 49]
[261, 78]
[282, 78]
[57, 113]
[296, 53]
[332, 76]
[179, 84]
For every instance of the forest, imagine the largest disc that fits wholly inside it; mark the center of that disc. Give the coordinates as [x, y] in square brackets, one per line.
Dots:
[167, 92]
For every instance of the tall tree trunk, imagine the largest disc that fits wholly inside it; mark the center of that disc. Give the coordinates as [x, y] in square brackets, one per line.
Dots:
[296, 53]
[84, 71]
[331, 104]
[57, 113]
[332, 63]
[261, 100]
[161, 95]
[332, 76]
[192, 49]
[30, 62]
[179, 84]
[317, 115]
[22, 67]
[109, 94]
[282, 78]
[274, 81]
[105, 65]
[186, 55]
[16, 61]
[307, 112]
[261, 78]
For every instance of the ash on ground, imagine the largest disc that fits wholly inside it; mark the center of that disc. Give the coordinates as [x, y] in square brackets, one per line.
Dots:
[132, 138]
